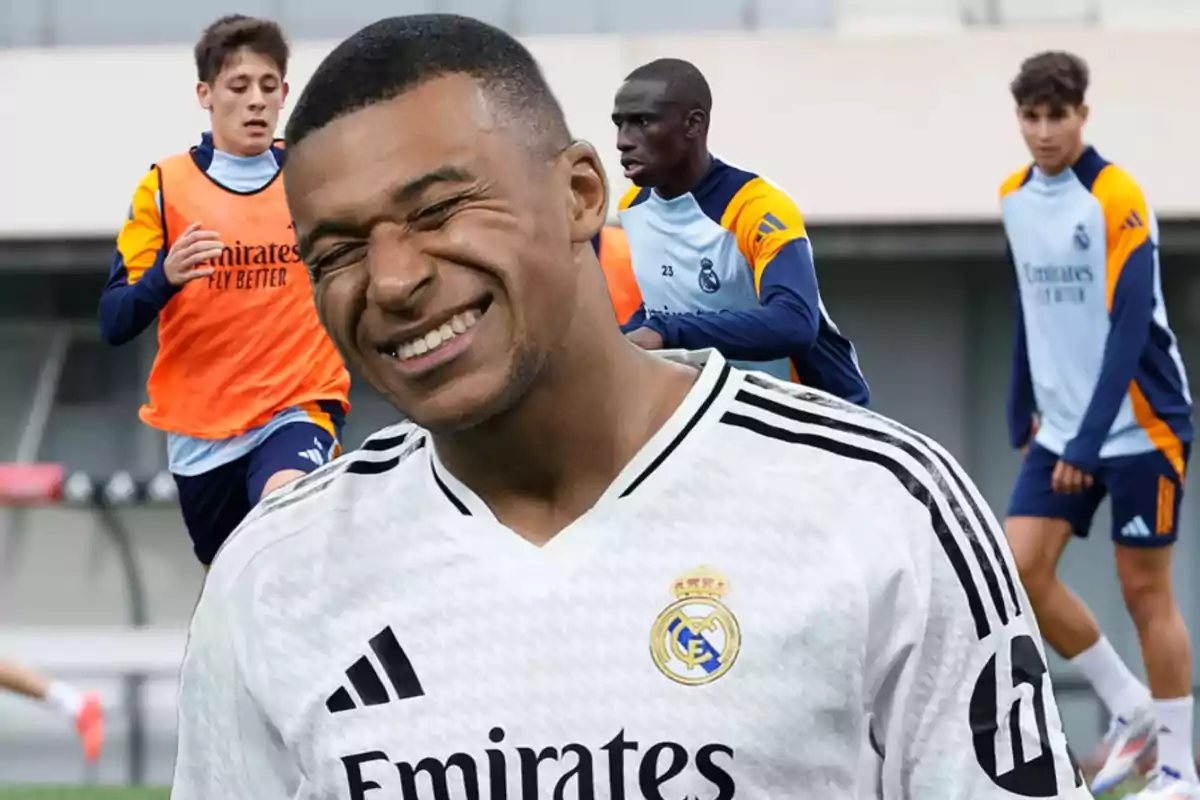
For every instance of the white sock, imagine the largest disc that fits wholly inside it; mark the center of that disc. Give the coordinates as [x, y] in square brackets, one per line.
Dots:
[1119, 689]
[64, 698]
[1175, 736]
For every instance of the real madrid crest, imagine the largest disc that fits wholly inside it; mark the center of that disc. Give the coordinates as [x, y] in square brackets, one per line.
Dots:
[695, 640]
[709, 282]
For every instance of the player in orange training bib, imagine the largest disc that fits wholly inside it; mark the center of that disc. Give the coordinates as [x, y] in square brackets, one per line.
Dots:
[247, 385]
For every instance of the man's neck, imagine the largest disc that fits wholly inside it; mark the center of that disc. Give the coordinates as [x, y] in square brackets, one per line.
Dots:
[693, 170]
[220, 146]
[544, 463]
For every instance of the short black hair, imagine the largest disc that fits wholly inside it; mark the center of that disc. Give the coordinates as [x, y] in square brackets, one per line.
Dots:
[1054, 77]
[231, 33]
[398, 54]
[685, 83]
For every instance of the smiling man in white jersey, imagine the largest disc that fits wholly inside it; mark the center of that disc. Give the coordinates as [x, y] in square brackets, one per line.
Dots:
[584, 570]
[1100, 400]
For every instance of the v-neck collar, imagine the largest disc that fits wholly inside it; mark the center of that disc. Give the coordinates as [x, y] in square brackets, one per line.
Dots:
[713, 379]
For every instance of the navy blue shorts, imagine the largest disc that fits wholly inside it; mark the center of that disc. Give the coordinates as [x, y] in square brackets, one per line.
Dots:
[1146, 491]
[214, 503]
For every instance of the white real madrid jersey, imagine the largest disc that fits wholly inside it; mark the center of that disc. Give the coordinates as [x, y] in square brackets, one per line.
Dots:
[777, 579]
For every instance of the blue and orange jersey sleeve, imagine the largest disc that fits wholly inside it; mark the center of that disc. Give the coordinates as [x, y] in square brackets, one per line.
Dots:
[771, 236]
[1022, 405]
[137, 287]
[1129, 287]
[770, 232]
[1014, 181]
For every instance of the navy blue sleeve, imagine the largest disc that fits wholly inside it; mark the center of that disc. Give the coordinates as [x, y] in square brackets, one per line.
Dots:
[1130, 317]
[128, 309]
[636, 320]
[785, 323]
[1021, 403]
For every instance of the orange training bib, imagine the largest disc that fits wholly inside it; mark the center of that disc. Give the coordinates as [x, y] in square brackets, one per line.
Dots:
[239, 346]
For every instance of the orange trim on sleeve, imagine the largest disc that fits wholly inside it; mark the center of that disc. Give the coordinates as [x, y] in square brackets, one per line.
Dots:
[140, 240]
[323, 420]
[1126, 218]
[764, 219]
[1013, 182]
[1158, 431]
[320, 418]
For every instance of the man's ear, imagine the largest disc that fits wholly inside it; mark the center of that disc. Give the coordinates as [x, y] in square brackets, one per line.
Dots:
[589, 191]
[204, 95]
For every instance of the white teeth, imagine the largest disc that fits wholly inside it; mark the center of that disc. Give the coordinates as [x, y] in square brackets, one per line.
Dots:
[459, 324]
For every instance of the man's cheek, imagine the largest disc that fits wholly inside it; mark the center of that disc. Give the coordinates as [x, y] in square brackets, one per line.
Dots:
[338, 325]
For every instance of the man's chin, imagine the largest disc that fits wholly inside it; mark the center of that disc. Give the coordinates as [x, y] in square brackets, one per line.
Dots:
[479, 395]
[461, 406]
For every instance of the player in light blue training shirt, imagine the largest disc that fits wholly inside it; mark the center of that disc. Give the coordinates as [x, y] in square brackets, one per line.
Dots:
[1100, 403]
[721, 255]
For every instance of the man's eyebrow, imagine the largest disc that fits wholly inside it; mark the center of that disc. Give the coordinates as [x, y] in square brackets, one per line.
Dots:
[642, 110]
[417, 186]
[328, 227]
[406, 193]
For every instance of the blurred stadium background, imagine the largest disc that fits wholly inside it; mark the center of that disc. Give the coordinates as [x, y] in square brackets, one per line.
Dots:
[889, 120]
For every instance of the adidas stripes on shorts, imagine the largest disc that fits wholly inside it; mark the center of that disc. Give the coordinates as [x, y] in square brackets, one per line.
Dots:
[1146, 491]
[215, 502]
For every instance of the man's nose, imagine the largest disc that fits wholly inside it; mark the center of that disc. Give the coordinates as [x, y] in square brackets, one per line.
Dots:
[401, 275]
[624, 142]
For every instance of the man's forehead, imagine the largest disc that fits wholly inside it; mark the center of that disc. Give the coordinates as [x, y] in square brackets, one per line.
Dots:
[429, 120]
[368, 154]
[245, 63]
[649, 93]
[1046, 107]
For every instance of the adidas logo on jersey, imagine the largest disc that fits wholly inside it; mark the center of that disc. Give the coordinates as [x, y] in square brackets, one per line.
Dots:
[1136, 528]
[365, 680]
[570, 771]
[770, 224]
[1134, 221]
[315, 454]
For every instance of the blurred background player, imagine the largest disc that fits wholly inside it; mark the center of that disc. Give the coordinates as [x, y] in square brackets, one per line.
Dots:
[247, 385]
[721, 255]
[1095, 360]
[612, 249]
[83, 709]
